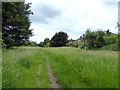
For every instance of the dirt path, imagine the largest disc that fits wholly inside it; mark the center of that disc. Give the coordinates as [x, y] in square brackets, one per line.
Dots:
[51, 77]
[38, 76]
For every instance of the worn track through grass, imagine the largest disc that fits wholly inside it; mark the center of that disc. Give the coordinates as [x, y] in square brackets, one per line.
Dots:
[38, 76]
[73, 68]
[51, 77]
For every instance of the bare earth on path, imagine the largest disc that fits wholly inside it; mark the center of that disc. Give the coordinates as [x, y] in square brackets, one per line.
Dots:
[51, 77]
[38, 76]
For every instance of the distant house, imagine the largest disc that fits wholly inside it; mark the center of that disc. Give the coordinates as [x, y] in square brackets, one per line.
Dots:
[77, 41]
[71, 40]
[74, 43]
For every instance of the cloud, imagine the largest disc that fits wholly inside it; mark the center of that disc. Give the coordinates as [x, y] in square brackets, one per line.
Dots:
[43, 32]
[44, 13]
[49, 11]
[72, 17]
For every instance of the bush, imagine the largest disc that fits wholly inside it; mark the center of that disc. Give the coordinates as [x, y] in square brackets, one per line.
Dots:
[47, 44]
[111, 39]
[100, 40]
[93, 39]
[113, 47]
[40, 44]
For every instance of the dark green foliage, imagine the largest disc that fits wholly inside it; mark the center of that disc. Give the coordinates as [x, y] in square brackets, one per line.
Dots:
[30, 43]
[46, 42]
[15, 23]
[93, 39]
[113, 47]
[100, 40]
[40, 44]
[118, 42]
[108, 32]
[118, 25]
[71, 44]
[59, 39]
[111, 39]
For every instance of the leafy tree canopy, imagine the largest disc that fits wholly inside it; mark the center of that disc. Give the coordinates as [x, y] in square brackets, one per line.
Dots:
[59, 39]
[15, 23]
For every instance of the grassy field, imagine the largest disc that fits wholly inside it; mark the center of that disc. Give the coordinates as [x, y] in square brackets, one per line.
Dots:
[72, 67]
[20, 67]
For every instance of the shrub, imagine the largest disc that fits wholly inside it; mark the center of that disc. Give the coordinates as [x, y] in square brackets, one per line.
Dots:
[113, 47]
[100, 40]
[93, 39]
[111, 39]
[47, 44]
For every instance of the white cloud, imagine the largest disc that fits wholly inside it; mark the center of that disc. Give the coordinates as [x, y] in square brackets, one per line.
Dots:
[40, 33]
[74, 18]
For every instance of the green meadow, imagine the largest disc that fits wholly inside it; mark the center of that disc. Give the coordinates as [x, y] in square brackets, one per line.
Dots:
[26, 67]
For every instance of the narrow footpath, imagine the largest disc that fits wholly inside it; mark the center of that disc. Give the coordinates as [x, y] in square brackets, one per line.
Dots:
[52, 78]
[38, 76]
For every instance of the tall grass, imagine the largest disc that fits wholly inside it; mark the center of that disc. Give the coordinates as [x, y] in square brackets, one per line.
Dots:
[20, 67]
[73, 68]
[84, 69]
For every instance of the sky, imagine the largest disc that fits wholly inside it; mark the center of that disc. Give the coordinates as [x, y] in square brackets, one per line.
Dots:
[71, 16]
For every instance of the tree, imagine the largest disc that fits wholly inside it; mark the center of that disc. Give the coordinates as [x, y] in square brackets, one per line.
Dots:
[59, 39]
[46, 42]
[118, 41]
[108, 32]
[40, 44]
[94, 39]
[15, 23]
[118, 25]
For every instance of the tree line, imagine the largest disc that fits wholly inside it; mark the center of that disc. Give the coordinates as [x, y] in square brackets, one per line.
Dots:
[98, 39]
[58, 40]
[16, 32]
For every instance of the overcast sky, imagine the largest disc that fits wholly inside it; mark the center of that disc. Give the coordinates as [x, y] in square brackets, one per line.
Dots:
[72, 17]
